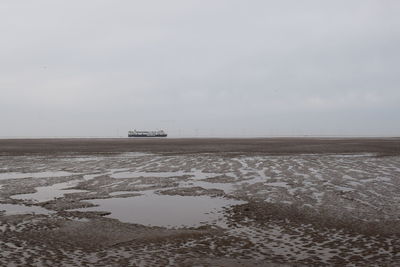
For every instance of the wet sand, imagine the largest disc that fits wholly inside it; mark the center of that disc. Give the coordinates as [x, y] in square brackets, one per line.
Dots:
[203, 145]
[205, 202]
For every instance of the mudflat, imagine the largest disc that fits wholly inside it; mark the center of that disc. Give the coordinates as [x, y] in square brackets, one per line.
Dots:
[204, 145]
[204, 202]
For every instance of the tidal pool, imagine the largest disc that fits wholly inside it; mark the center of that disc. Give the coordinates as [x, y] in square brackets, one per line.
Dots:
[165, 210]
[46, 193]
[197, 174]
[13, 209]
[20, 175]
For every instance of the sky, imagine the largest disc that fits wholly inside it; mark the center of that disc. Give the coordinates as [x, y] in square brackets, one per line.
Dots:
[222, 68]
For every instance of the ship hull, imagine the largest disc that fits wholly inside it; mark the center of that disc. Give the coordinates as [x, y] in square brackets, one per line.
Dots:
[134, 135]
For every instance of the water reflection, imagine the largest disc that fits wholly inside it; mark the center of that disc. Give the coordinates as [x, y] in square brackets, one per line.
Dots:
[20, 175]
[165, 210]
[12, 209]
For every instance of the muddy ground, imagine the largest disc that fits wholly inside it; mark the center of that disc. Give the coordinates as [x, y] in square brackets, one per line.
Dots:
[200, 202]
[202, 145]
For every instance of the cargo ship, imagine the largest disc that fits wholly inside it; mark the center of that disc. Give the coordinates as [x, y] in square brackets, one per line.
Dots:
[136, 133]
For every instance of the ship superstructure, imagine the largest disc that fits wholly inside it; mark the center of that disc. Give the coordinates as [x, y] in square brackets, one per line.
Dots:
[136, 133]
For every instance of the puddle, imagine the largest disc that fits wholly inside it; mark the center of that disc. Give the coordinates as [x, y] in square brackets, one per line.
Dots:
[135, 154]
[147, 174]
[46, 193]
[122, 193]
[12, 209]
[103, 157]
[226, 187]
[164, 210]
[82, 159]
[199, 175]
[88, 177]
[350, 155]
[20, 175]
[132, 174]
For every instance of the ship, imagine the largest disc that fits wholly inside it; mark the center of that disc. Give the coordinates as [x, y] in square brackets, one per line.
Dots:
[135, 133]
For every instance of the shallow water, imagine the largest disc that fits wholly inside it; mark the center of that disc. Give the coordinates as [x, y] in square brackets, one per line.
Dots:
[197, 174]
[226, 187]
[136, 174]
[104, 157]
[47, 193]
[164, 210]
[20, 175]
[12, 209]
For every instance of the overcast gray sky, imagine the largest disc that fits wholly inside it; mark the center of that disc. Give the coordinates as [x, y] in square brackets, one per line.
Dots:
[207, 68]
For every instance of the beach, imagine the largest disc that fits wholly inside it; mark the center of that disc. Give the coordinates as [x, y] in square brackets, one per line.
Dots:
[200, 201]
